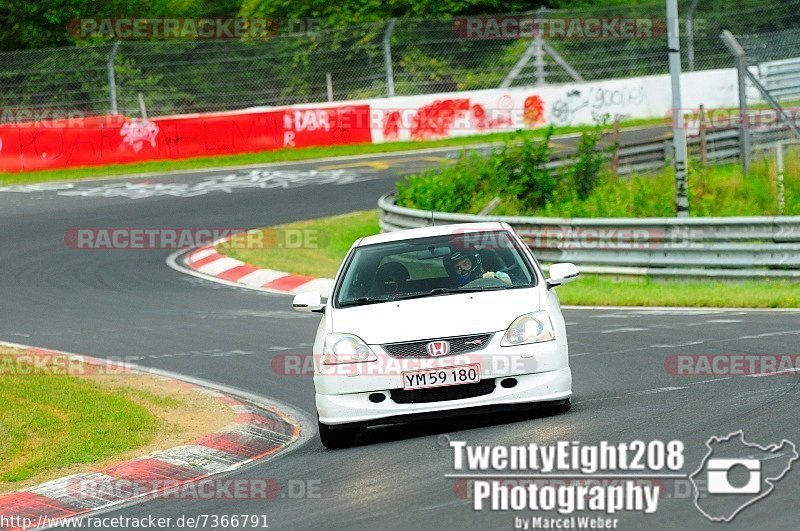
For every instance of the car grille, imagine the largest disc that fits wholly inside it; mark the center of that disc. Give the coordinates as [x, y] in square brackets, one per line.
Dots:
[458, 345]
[441, 394]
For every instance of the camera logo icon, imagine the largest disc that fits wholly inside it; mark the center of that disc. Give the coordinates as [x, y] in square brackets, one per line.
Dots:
[735, 474]
[718, 478]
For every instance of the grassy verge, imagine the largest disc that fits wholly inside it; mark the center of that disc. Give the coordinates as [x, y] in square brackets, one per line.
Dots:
[722, 190]
[329, 239]
[336, 234]
[595, 290]
[282, 155]
[53, 422]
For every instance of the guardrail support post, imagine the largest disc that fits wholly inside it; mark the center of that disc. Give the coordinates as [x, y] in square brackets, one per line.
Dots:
[387, 57]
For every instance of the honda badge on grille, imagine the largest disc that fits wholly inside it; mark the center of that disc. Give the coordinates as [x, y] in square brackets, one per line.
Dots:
[438, 348]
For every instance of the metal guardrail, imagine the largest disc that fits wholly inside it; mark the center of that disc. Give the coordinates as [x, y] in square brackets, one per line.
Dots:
[722, 145]
[781, 78]
[683, 247]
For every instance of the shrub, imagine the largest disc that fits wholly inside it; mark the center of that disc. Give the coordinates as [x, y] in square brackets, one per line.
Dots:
[517, 171]
[517, 174]
[585, 173]
[524, 165]
[449, 190]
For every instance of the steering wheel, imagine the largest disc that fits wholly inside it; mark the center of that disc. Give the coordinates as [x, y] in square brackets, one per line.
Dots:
[515, 272]
[485, 283]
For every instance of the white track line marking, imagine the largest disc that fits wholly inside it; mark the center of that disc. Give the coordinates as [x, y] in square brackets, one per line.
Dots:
[219, 265]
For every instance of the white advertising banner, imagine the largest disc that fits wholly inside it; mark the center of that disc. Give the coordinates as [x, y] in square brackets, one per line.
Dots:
[455, 114]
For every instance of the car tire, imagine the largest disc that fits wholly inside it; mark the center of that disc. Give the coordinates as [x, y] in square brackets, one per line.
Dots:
[336, 437]
[563, 407]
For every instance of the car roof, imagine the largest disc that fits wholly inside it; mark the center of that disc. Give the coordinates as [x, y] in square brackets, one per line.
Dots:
[436, 230]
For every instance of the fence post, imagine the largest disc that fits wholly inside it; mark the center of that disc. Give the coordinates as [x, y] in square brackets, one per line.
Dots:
[142, 108]
[387, 57]
[112, 82]
[781, 189]
[690, 35]
[678, 130]
[562, 62]
[329, 83]
[741, 67]
[538, 47]
[703, 146]
[615, 154]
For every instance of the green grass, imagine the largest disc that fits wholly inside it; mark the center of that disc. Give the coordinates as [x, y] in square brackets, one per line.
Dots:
[337, 233]
[264, 157]
[328, 240]
[49, 421]
[594, 290]
[713, 191]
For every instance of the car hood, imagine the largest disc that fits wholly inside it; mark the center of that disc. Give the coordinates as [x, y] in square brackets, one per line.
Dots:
[435, 316]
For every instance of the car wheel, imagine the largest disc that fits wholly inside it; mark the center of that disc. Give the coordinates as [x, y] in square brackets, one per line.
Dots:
[563, 407]
[337, 437]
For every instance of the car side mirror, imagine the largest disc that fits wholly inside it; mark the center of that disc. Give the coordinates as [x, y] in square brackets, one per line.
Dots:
[311, 301]
[561, 274]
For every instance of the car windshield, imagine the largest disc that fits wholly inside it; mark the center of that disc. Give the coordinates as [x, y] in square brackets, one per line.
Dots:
[436, 265]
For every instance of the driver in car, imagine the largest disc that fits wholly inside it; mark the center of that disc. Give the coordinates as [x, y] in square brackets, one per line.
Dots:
[467, 267]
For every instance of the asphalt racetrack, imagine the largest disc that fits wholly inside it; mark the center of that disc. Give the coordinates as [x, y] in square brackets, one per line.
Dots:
[128, 303]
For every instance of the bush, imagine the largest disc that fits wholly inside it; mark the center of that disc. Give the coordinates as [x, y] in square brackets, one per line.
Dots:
[451, 190]
[517, 174]
[585, 172]
[524, 170]
[517, 171]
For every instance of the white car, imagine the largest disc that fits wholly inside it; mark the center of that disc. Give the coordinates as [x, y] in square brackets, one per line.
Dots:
[436, 322]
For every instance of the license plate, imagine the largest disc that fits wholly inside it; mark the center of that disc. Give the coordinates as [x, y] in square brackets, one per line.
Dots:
[442, 376]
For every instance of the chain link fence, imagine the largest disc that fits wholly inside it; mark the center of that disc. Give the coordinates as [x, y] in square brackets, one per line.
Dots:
[776, 57]
[400, 57]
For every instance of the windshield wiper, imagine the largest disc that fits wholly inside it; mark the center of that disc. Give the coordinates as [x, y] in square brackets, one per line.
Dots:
[443, 291]
[439, 291]
[364, 300]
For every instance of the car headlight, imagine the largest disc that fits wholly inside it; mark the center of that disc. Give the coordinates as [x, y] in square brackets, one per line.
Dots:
[346, 348]
[529, 328]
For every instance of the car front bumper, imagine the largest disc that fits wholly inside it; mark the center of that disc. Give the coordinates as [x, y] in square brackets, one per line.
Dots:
[357, 409]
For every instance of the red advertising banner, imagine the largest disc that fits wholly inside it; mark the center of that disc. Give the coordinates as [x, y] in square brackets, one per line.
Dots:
[99, 140]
